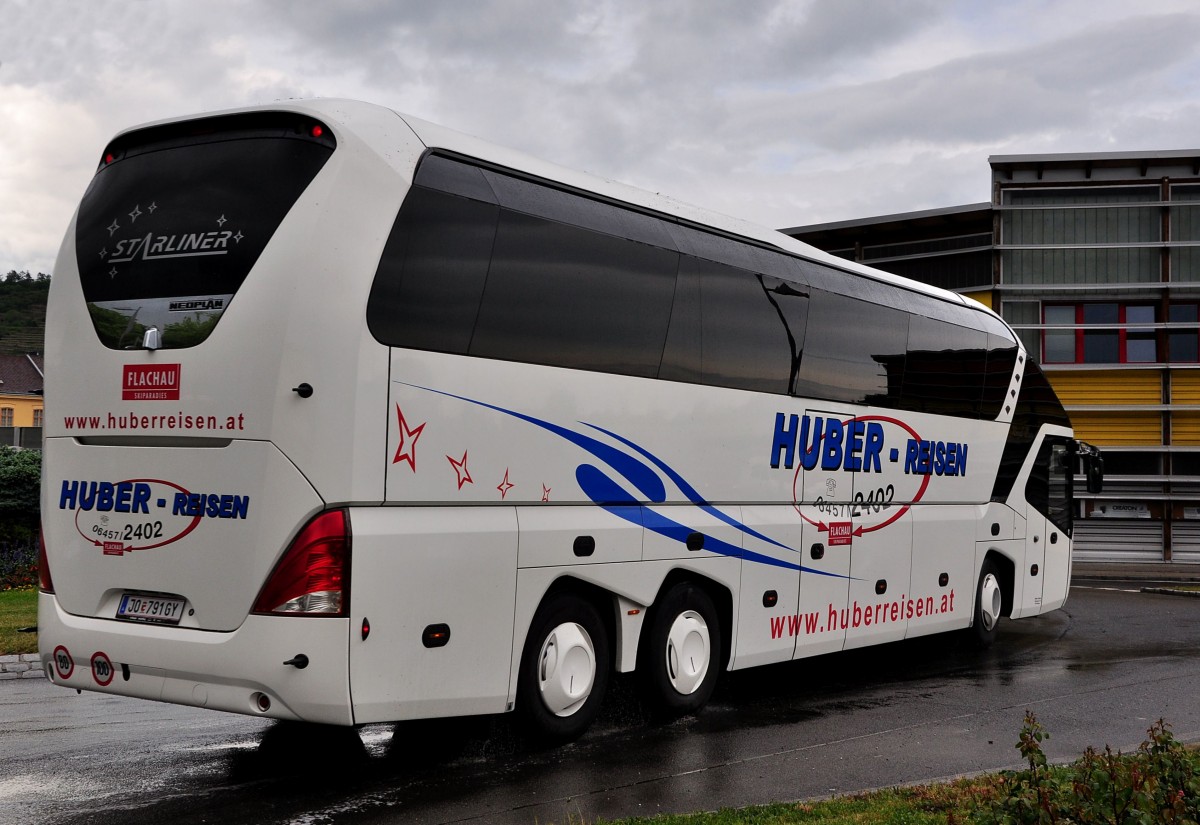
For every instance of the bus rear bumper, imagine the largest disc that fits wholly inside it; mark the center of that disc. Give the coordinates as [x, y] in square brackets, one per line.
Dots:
[242, 671]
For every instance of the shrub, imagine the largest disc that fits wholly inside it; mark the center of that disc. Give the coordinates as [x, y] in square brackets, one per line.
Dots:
[18, 564]
[20, 516]
[1160, 782]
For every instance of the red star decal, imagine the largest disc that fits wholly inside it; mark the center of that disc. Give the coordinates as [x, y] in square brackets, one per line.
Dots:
[460, 468]
[504, 486]
[545, 493]
[406, 450]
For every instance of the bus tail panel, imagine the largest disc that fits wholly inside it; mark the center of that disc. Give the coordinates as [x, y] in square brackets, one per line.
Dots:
[176, 537]
[239, 672]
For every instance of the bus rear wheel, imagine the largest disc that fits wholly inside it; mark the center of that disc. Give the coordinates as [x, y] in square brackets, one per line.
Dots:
[679, 658]
[989, 604]
[564, 669]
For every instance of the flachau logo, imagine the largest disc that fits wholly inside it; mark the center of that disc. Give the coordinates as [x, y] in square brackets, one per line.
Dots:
[143, 513]
[150, 382]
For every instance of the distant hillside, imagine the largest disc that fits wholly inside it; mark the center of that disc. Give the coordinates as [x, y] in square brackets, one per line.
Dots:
[23, 312]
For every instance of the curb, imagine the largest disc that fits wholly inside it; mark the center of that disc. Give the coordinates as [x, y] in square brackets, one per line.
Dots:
[21, 666]
[1170, 591]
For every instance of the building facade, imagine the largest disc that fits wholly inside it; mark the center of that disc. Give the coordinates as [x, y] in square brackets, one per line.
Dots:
[1094, 259]
[21, 402]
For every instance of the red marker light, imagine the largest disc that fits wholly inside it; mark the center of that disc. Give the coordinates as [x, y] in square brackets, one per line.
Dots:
[109, 157]
[317, 130]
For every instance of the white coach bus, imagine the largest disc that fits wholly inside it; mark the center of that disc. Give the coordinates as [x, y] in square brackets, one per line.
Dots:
[354, 418]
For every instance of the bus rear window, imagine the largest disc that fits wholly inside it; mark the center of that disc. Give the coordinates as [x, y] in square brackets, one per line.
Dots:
[176, 217]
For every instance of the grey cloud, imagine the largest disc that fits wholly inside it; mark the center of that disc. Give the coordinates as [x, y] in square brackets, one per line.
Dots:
[993, 96]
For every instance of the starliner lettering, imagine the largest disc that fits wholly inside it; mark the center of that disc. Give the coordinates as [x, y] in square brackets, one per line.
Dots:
[215, 242]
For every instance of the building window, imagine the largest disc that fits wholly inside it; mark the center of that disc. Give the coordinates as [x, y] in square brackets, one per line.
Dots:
[6, 416]
[1100, 333]
[1182, 343]
[37, 417]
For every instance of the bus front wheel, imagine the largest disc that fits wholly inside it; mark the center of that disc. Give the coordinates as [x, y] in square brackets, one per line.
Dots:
[680, 658]
[989, 603]
[564, 669]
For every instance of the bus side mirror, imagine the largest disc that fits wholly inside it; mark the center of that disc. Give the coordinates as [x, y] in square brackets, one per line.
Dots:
[1092, 464]
[1093, 468]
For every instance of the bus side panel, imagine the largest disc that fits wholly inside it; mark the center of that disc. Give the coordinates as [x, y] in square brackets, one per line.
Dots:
[943, 543]
[768, 626]
[415, 568]
[880, 601]
[1057, 581]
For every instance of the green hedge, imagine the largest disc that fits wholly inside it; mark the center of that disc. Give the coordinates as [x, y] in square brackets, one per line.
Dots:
[20, 516]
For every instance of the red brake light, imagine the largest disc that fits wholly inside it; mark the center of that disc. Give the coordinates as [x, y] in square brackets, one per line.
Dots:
[313, 577]
[45, 583]
[317, 130]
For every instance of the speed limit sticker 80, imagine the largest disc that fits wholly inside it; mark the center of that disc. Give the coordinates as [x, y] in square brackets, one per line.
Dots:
[64, 665]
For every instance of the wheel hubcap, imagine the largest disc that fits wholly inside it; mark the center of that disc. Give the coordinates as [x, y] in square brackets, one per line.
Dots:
[989, 602]
[566, 669]
[688, 652]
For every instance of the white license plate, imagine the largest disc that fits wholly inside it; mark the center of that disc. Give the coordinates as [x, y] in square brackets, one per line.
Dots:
[159, 609]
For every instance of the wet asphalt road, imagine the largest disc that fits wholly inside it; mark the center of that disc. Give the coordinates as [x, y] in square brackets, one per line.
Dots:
[1098, 672]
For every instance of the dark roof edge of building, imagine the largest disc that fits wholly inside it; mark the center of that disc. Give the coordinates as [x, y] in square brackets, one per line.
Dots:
[1084, 157]
[945, 211]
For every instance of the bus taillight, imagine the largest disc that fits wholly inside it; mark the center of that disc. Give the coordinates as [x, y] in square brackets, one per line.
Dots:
[313, 577]
[45, 583]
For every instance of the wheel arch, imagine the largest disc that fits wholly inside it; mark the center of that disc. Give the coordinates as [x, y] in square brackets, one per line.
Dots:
[722, 600]
[601, 599]
[1006, 573]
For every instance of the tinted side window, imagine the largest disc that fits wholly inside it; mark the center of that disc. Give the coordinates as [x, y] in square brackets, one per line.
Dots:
[854, 351]
[569, 297]
[1037, 404]
[431, 275]
[681, 355]
[1049, 485]
[1001, 360]
[752, 327]
[945, 368]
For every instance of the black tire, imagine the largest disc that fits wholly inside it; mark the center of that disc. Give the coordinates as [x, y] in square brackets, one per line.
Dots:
[679, 659]
[564, 669]
[989, 603]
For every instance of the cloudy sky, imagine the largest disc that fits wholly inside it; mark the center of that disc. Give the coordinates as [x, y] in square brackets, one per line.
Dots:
[786, 112]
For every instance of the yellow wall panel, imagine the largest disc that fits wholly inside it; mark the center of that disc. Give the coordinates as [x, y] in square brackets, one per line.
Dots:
[1185, 429]
[1107, 387]
[1185, 386]
[1118, 429]
[984, 298]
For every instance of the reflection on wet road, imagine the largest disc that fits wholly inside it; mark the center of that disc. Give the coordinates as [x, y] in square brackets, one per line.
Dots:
[1099, 672]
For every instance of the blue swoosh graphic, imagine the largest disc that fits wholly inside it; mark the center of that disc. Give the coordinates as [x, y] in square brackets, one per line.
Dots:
[689, 491]
[613, 498]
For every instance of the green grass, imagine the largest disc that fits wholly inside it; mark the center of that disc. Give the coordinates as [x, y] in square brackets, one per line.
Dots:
[920, 805]
[18, 608]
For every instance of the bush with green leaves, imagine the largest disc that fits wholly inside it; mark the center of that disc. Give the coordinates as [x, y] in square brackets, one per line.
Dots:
[1158, 783]
[20, 516]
